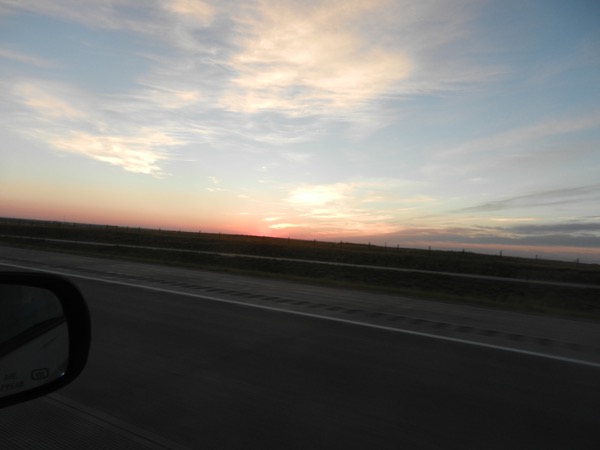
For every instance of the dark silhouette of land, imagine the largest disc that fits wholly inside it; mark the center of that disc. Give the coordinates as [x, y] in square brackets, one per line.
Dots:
[556, 287]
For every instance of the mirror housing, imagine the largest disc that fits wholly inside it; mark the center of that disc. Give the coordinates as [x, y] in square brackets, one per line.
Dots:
[45, 335]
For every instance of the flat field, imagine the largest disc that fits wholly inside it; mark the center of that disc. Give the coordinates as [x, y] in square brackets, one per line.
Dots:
[506, 282]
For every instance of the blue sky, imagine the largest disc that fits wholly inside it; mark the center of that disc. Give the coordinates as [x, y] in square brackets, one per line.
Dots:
[456, 124]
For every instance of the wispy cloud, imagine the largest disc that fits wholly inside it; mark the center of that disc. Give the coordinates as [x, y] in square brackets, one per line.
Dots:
[119, 14]
[559, 228]
[307, 60]
[560, 144]
[362, 206]
[565, 196]
[45, 102]
[168, 98]
[319, 195]
[263, 75]
[70, 120]
[25, 58]
[557, 241]
[516, 138]
[257, 75]
[196, 11]
[140, 153]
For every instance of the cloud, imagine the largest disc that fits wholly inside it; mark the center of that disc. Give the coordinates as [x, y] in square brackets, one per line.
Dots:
[25, 58]
[49, 103]
[554, 197]
[538, 238]
[320, 60]
[140, 153]
[297, 157]
[74, 121]
[548, 145]
[515, 138]
[251, 76]
[105, 14]
[346, 64]
[305, 60]
[283, 226]
[558, 228]
[170, 19]
[168, 98]
[310, 196]
[556, 241]
[360, 206]
[198, 11]
[513, 219]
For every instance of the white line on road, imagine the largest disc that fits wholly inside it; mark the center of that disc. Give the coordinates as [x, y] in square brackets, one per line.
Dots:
[317, 316]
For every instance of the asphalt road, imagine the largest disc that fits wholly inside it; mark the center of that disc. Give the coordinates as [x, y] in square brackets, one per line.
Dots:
[213, 375]
[177, 369]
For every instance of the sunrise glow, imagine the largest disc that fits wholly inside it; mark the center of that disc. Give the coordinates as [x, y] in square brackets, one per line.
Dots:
[453, 124]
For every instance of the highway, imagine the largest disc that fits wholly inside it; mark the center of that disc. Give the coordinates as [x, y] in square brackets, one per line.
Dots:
[175, 369]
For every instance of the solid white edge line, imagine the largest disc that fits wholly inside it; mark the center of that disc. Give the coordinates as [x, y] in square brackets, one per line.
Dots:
[316, 316]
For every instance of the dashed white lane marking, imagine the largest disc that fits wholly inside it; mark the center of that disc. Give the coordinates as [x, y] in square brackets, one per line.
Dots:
[317, 316]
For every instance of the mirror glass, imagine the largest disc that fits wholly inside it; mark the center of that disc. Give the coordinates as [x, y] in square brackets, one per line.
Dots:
[34, 338]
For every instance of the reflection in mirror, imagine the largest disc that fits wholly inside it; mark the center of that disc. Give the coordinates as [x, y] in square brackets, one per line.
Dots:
[34, 338]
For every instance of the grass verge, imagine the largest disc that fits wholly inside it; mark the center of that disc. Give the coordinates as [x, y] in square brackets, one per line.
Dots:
[529, 297]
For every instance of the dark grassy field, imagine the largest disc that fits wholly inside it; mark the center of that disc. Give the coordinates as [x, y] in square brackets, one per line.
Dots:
[580, 302]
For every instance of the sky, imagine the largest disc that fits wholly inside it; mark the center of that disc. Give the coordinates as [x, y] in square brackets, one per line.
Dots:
[455, 124]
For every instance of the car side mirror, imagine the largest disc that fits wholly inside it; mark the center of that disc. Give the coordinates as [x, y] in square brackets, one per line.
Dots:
[44, 335]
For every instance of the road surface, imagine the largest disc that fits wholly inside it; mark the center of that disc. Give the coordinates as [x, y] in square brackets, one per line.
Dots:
[171, 369]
